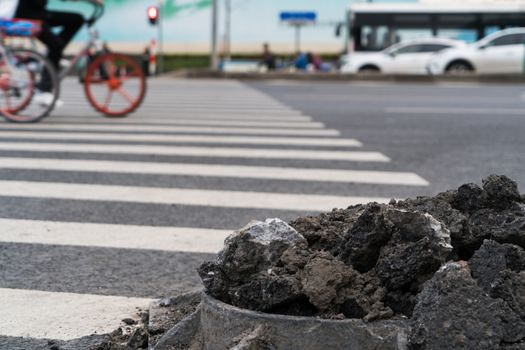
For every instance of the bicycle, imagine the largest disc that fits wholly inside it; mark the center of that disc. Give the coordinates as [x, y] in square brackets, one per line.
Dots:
[108, 73]
[114, 84]
[23, 74]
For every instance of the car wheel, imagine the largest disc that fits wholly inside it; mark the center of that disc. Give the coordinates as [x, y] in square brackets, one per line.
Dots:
[369, 70]
[459, 68]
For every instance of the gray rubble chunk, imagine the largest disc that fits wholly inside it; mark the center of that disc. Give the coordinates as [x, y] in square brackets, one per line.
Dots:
[469, 198]
[441, 209]
[256, 247]
[453, 312]
[503, 226]
[363, 242]
[492, 259]
[500, 270]
[510, 286]
[501, 191]
[403, 247]
[242, 273]
[327, 230]
[323, 278]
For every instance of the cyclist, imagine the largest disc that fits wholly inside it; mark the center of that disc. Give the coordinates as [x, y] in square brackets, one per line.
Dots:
[56, 43]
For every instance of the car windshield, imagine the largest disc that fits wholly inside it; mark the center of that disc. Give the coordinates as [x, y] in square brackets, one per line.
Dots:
[509, 39]
[392, 48]
[416, 48]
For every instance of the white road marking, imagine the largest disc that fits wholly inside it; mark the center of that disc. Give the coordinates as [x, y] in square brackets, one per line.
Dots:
[176, 99]
[147, 112]
[209, 152]
[213, 198]
[454, 110]
[62, 316]
[251, 140]
[225, 108]
[203, 108]
[174, 239]
[254, 104]
[458, 85]
[190, 122]
[173, 129]
[168, 108]
[168, 116]
[213, 170]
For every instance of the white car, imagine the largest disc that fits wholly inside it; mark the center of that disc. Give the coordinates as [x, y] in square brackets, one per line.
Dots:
[410, 57]
[502, 52]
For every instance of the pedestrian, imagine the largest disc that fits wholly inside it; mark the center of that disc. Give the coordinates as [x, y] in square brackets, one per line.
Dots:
[102, 68]
[145, 61]
[268, 59]
[301, 61]
[105, 48]
[317, 63]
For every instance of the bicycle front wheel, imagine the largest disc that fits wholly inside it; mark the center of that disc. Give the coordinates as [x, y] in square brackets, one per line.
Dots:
[29, 86]
[115, 85]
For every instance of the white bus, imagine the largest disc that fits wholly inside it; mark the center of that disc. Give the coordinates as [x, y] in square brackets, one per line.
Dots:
[373, 27]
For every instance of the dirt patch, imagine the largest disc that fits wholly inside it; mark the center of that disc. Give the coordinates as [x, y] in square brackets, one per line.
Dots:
[441, 262]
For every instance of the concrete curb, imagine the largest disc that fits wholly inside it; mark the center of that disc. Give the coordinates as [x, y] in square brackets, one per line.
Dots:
[208, 74]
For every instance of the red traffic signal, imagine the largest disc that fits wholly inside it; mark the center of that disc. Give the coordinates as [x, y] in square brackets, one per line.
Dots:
[153, 15]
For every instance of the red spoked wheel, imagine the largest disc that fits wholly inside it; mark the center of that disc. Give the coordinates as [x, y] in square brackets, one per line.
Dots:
[14, 99]
[29, 86]
[115, 85]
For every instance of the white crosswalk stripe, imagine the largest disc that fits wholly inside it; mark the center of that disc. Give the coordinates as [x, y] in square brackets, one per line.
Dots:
[226, 199]
[215, 152]
[455, 111]
[163, 111]
[184, 239]
[250, 140]
[38, 314]
[193, 122]
[236, 171]
[175, 129]
[167, 117]
[81, 187]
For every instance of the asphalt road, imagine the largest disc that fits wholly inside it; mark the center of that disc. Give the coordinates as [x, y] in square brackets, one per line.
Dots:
[118, 212]
[450, 133]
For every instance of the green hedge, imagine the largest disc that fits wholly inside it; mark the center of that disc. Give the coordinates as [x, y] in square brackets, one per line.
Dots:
[178, 62]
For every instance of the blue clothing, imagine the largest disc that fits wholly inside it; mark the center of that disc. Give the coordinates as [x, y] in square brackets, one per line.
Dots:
[301, 62]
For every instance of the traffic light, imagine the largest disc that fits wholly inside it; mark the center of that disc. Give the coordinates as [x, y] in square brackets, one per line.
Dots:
[153, 15]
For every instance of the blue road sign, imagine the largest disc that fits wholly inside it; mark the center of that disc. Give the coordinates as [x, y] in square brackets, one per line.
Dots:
[294, 17]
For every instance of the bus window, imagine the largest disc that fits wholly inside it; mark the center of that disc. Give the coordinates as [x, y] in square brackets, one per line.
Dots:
[373, 38]
[410, 34]
[492, 29]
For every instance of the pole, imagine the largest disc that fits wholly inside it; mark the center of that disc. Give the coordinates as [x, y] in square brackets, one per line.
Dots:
[227, 38]
[297, 38]
[214, 56]
[524, 57]
[160, 56]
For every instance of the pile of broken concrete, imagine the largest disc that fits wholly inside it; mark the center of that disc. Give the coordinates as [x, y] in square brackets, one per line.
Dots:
[452, 267]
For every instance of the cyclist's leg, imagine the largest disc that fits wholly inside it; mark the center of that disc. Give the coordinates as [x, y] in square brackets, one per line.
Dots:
[69, 22]
[55, 47]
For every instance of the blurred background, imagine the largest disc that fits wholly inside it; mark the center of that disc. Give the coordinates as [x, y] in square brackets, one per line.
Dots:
[337, 27]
